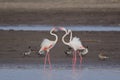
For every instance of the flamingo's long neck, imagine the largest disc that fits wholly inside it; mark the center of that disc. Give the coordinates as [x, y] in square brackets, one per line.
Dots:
[63, 38]
[70, 35]
[56, 37]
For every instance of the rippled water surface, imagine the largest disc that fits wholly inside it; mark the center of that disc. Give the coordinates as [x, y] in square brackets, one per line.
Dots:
[60, 73]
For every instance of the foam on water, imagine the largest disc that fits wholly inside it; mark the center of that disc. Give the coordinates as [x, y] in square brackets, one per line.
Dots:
[74, 28]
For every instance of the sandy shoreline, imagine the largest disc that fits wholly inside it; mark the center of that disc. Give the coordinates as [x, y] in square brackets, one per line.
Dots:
[14, 43]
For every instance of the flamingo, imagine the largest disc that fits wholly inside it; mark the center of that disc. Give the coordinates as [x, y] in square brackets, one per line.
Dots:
[47, 45]
[74, 43]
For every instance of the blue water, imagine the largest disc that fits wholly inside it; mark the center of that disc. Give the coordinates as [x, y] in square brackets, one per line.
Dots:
[74, 28]
[60, 74]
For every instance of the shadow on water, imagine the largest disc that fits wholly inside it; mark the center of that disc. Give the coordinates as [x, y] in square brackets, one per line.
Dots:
[60, 73]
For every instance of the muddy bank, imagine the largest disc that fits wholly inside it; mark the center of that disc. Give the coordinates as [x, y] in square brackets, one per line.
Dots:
[14, 43]
[60, 17]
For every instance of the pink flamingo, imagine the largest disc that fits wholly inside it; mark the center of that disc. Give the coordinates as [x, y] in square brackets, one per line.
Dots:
[74, 43]
[47, 45]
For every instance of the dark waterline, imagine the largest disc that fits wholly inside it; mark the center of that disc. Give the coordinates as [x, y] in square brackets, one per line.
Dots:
[47, 28]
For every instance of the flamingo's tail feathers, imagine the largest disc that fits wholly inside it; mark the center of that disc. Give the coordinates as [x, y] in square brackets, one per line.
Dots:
[85, 51]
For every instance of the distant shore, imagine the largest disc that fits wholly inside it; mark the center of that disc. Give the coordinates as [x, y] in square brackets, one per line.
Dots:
[60, 13]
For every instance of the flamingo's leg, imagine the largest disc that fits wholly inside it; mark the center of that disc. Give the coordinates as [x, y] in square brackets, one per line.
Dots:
[81, 59]
[45, 60]
[74, 60]
[49, 61]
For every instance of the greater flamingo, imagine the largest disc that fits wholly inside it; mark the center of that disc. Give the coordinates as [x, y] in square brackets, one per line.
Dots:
[74, 43]
[46, 45]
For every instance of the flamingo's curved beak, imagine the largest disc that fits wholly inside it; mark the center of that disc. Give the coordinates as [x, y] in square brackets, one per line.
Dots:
[55, 29]
[62, 29]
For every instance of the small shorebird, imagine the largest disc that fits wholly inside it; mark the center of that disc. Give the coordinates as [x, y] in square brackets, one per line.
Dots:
[102, 56]
[69, 51]
[29, 51]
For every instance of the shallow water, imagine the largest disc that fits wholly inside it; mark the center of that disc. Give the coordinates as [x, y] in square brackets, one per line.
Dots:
[74, 28]
[61, 73]
[18, 72]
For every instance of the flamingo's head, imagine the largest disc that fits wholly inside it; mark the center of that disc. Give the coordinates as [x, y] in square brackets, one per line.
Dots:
[62, 29]
[54, 29]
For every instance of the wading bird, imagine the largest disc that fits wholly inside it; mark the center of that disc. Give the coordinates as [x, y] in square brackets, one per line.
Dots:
[47, 45]
[30, 50]
[102, 56]
[74, 43]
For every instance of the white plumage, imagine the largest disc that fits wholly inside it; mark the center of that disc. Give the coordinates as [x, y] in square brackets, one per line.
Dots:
[75, 43]
[46, 45]
[46, 42]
